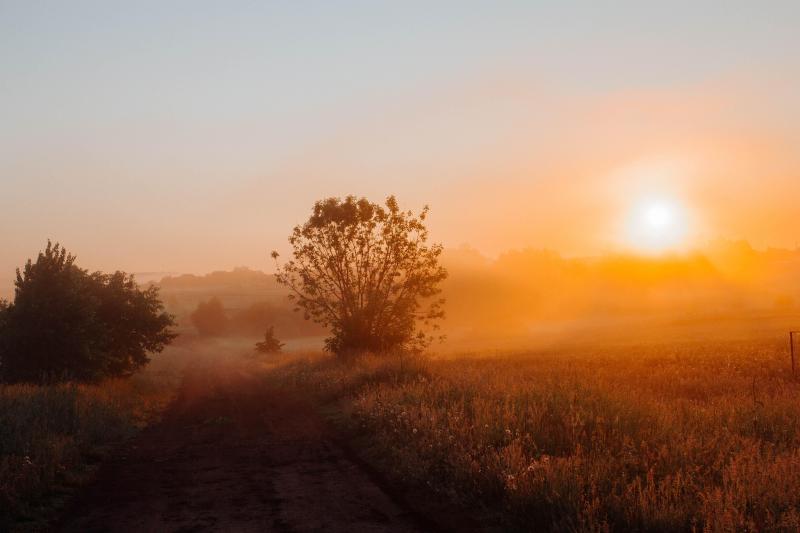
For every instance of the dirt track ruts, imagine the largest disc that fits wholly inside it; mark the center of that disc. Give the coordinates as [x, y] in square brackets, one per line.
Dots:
[232, 454]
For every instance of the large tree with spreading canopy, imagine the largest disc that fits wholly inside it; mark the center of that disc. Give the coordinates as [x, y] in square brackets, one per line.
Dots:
[367, 272]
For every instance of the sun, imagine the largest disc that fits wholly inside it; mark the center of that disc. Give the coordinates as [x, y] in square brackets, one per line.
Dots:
[657, 225]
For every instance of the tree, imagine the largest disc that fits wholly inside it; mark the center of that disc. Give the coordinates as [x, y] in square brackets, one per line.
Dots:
[132, 322]
[270, 344]
[365, 271]
[209, 318]
[3, 322]
[66, 323]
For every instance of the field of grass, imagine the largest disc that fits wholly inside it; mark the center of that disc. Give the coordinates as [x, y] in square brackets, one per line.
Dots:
[52, 437]
[680, 437]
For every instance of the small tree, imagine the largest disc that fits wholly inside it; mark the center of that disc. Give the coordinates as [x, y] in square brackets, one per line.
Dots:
[366, 271]
[65, 323]
[270, 344]
[209, 318]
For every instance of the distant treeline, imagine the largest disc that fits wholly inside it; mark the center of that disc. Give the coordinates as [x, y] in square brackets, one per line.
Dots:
[212, 319]
[242, 302]
[522, 287]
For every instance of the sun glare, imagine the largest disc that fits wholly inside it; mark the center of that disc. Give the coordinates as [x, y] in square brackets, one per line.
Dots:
[657, 225]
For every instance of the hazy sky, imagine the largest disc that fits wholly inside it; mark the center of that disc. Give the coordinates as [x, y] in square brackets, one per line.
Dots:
[191, 136]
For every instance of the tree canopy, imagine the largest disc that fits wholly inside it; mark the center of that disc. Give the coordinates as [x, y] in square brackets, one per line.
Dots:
[367, 272]
[67, 323]
[209, 318]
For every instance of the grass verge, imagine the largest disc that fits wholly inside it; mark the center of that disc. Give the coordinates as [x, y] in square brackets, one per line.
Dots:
[682, 437]
[52, 438]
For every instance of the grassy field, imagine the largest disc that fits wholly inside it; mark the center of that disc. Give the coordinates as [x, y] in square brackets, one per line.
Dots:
[680, 437]
[52, 437]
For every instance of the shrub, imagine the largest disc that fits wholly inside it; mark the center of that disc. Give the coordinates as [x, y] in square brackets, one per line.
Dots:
[66, 323]
[270, 344]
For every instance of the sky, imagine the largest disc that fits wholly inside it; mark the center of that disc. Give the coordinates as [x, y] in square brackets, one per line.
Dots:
[192, 136]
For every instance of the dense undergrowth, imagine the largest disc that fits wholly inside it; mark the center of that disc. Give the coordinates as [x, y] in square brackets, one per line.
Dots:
[52, 437]
[660, 438]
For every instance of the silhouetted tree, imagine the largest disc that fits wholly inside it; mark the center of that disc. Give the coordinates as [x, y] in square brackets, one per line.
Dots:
[270, 344]
[132, 322]
[366, 271]
[209, 318]
[3, 325]
[66, 323]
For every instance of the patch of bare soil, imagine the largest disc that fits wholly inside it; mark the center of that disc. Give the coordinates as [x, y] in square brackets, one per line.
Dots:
[231, 454]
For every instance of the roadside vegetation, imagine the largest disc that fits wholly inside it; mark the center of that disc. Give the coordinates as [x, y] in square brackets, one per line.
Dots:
[71, 344]
[66, 323]
[52, 437]
[681, 437]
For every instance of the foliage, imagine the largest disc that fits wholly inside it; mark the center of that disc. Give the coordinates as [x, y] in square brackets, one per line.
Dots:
[209, 318]
[366, 272]
[66, 323]
[270, 344]
[3, 325]
[701, 437]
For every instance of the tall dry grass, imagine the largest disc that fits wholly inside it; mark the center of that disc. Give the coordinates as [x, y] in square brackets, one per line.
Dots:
[686, 437]
[51, 437]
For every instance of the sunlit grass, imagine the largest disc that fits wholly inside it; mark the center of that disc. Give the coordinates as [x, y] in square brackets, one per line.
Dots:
[651, 438]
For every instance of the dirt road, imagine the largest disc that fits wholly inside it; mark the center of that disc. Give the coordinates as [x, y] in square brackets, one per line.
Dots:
[233, 455]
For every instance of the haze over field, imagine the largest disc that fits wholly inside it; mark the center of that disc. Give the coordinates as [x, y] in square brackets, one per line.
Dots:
[400, 266]
[192, 137]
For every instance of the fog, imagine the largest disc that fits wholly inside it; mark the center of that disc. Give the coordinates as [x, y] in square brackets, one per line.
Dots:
[533, 297]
